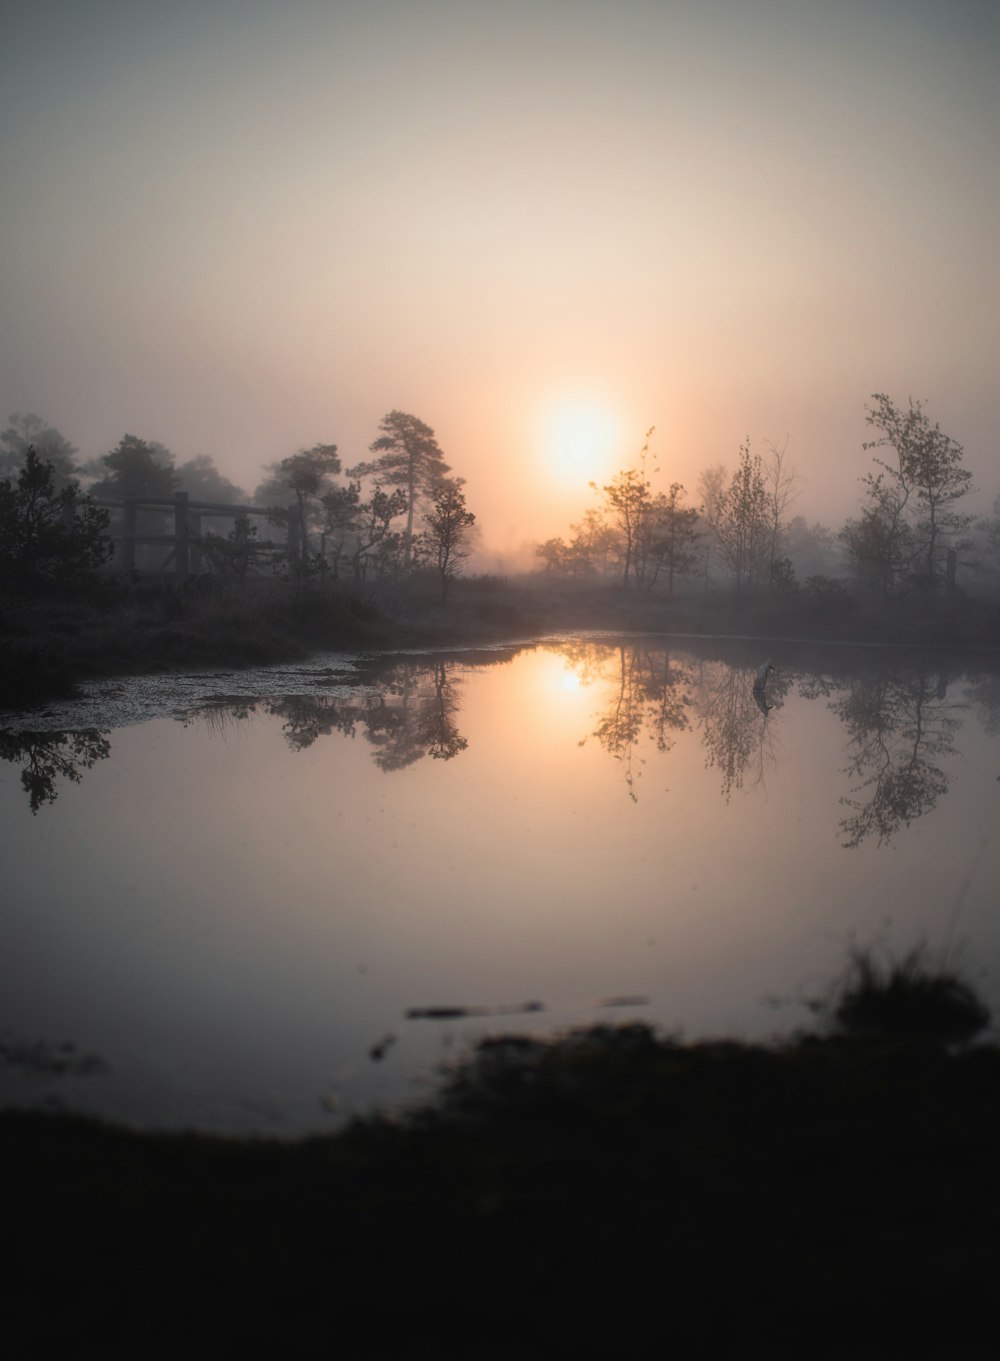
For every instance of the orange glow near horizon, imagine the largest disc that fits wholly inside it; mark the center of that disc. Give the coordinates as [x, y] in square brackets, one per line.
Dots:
[682, 220]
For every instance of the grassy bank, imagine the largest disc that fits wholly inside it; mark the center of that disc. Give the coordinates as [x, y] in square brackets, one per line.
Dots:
[48, 646]
[610, 1190]
[962, 621]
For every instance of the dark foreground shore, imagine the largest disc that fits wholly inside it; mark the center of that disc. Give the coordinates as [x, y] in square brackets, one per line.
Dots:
[610, 1193]
[49, 647]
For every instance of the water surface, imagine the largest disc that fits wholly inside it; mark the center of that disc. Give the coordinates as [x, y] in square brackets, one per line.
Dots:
[263, 900]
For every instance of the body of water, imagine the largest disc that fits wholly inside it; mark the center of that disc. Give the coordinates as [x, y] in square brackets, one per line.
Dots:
[261, 901]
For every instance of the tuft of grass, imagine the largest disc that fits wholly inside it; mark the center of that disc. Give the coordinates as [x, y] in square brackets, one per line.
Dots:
[907, 998]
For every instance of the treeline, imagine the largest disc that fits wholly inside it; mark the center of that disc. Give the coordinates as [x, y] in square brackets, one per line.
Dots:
[397, 513]
[910, 536]
[401, 512]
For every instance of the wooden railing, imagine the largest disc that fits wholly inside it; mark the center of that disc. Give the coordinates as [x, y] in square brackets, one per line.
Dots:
[185, 555]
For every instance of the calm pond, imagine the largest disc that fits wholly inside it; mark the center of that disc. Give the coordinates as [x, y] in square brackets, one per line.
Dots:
[262, 901]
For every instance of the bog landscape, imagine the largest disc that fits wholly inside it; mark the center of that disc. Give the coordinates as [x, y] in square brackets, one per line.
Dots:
[500, 679]
[458, 877]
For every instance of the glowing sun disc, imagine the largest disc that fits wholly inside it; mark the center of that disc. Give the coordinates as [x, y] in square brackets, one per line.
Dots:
[580, 439]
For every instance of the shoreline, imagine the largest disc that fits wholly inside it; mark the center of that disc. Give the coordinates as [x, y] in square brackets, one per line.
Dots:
[555, 1193]
[49, 647]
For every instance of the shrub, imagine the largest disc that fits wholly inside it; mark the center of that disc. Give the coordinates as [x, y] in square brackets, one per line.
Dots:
[49, 538]
[909, 998]
[828, 592]
[783, 580]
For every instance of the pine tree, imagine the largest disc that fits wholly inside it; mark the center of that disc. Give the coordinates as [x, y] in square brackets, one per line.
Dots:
[409, 457]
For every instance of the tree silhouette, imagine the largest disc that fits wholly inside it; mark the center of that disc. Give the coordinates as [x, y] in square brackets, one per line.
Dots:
[629, 498]
[741, 523]
[201, 479]
[409, 457]
[48, 757]
[48, 537]
[673, 537]
[911, 502]
[781, 489]
[31, 432]
[448, 524]
[307, 476]
[136, 467]
[373, 526]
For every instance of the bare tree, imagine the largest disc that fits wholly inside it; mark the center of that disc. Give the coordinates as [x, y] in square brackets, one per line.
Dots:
[782, 486]
[629, 498]
[741, 527]
[711, 490]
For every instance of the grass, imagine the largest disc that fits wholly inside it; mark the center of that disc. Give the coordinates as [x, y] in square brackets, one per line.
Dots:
[837, 1194]
[49, 645]
[907, 998]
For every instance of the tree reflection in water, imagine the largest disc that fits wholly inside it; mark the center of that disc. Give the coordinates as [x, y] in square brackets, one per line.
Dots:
[413, 714]
[306, 718]
[654, 695]
[648, 694]
[984, 693]
[899, 724]
[417, 717]
[899, 721]
[50, 756]
[739, 731]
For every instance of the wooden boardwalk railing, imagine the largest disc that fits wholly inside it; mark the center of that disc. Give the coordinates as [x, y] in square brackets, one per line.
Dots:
[185, 556]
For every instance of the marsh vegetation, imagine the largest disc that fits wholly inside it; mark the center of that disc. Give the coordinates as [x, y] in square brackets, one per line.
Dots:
[826, 1178]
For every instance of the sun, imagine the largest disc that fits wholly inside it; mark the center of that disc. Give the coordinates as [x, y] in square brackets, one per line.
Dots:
[580, 438]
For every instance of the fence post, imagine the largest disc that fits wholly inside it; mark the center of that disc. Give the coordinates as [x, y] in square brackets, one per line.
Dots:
[130, 516]
[181, 530]
[295, 535]
[196, 561]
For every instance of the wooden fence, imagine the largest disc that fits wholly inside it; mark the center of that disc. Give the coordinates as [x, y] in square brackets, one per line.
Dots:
[184, 554]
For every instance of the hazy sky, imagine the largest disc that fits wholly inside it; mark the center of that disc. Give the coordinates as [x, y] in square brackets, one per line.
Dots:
[241, 226]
